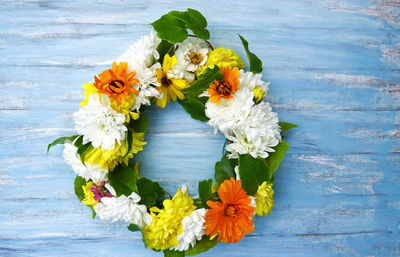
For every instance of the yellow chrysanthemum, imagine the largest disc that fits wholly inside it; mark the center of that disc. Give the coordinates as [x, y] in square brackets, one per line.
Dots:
[89, 196]
[162, 233]
[222, 58]
[108, 159]
[258, 94]
[264, 199]
[124, 107]
[170, 87]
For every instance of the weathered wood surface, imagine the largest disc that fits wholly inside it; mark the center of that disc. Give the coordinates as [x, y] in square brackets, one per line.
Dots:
[334, 70]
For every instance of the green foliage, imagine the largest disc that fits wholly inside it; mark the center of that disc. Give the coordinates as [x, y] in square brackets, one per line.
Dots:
[171, 253]
[253, 172]
[78, 183]
[93, 212]
[149, 191]
[140, 125]
[255, 62]
[203, 82]
[225, 169]
[82, 150]
[61, 140]
[205, 191]
[134, 228]
[78, 141]
[164, 48]
[129, 140]
[201, 246]
[195, 108]
[123, 180]
[172, 27]
[275, 158]
[285, 126]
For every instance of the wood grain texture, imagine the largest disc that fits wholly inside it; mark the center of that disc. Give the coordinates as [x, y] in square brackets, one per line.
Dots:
[334, 70]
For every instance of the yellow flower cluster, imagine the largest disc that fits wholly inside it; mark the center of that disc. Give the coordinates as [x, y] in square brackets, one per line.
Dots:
[162, 233]
[222, 58]
[108, 159]
[89, 196]
[264, 199]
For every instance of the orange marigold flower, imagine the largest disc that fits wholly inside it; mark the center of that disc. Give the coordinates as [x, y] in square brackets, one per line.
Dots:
[226, 87]
[232, 218]
[116, 82]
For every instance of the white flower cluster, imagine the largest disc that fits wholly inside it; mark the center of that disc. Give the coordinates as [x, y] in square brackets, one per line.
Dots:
[123, 208]
[193, 230]
[250, 128]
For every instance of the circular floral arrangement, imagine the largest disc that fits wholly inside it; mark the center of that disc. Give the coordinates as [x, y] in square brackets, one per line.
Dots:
[211, 85]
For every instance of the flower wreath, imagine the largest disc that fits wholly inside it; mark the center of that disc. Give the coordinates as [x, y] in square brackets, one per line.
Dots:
[211, 85]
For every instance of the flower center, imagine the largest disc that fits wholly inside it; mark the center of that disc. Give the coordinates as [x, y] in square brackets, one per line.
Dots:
[230, 210]
[165, 81]
[223, 87]
[195, 58]
[117, 86]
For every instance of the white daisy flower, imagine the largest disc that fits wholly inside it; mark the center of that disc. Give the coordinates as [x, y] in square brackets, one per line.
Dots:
[251, 81]
[99, 123]
[257, 135]
[142, 52]
[147, 86]
[193, 230]
[90, 171]
[191, 55]
[230, 113]
[123, 208]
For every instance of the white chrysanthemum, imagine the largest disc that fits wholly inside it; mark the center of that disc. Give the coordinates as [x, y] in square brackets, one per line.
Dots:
[99, 123]
[257, 135]
[147, 86]
[193, 230]
[251, 81]
[230, 113]
[190, 55]
[142, 52]
[123, 208]
[90, 171]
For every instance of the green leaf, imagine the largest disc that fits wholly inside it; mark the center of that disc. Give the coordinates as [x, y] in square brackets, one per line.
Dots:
[255, 62]
[61, 140]
[129, 140]
[133, 227]
[93, 212]
[196, 22]
[275, 158]
[78, 183]
[203, 82]
[149, 191]
[123, 180]
[164, 48]
[171, 253]
[253, 172]
[225, 169]
[195, 108]
[201, 246]
[170, 28]
[140, 125]
[82, 149]
[78, 141]
[205, 191]
[285, 126]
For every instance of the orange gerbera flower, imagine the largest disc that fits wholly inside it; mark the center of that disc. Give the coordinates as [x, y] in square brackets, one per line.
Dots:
[232, 218]
[226, 87]
[116, 82]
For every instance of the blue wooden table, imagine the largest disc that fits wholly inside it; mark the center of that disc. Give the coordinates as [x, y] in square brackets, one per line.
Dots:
[334, 70]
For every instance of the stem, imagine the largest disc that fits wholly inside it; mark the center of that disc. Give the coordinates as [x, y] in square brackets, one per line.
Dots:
[207, 42]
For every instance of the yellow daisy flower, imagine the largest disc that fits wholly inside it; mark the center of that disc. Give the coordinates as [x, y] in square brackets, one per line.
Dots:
[89, 196]
[264, 199]
[170, 87]
[222, 58]
[162, 233]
